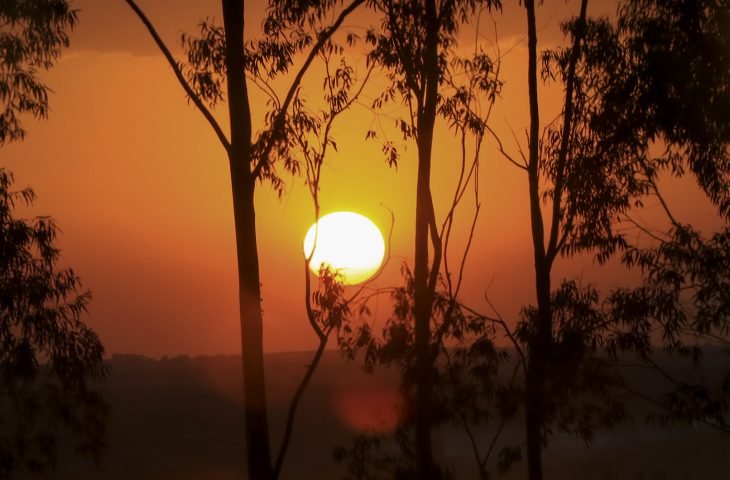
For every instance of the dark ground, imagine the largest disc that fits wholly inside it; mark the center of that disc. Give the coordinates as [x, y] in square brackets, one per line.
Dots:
[180, 419]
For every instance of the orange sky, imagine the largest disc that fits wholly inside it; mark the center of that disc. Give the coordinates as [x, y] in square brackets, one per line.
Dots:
[140, 188]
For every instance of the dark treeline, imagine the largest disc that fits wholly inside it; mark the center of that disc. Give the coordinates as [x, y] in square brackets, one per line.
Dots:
[180, 418]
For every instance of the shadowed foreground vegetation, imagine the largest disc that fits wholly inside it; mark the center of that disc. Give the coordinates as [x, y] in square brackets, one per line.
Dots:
[179, 418]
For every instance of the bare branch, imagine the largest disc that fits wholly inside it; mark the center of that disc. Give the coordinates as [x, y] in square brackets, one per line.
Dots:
[323, 336]
[519, 145]
[264, 86]
[179, 75]
[643, 228]
[506, 155]
[663, 203]
[383, 265]
[322, 40]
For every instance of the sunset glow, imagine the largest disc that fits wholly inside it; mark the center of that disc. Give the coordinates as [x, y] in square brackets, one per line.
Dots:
[347, 242]
[195, 201]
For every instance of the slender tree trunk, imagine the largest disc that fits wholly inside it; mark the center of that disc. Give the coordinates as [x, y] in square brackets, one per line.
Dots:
[541, 342]
[540, 345]
[423, 296]
[542, 332]
[242, 185]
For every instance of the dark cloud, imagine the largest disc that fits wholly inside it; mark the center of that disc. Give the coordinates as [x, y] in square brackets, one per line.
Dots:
[112, 26]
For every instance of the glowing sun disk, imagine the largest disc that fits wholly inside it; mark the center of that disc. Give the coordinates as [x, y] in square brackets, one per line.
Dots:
[348, 243]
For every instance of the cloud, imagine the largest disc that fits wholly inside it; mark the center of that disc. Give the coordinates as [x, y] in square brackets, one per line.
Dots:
[111, 26]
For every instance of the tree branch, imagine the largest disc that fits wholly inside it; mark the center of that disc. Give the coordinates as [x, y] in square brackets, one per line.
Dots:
[291, 414]
[179, 75]
[281, 115]
[552, 251]
[502, 151]
[657, 403]
[664, 204]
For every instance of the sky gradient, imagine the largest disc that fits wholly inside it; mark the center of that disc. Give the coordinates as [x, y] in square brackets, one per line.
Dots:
[140, 187]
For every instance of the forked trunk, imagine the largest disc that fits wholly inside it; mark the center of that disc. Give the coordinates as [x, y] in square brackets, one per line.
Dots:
[541, 338]
[423, 296]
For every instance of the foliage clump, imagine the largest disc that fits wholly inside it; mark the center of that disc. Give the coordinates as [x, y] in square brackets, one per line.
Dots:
[50, 361]
[33, 34]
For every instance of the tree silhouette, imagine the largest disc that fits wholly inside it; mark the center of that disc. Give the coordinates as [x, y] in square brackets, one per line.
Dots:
[32, 36]
[585, 171]
[309, 139]
[541, 339]
[50, 361]
[683, 292]
[220, 66]
[429, 337]
[592, 167]
[413, 44]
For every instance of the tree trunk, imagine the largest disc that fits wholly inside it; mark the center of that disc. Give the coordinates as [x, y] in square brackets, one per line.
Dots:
[541, 338]
[540, 344]
[249, 296]
[242, 186]
[423, 296]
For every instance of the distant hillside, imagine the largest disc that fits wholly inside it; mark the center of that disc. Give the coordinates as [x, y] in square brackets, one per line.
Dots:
[180, 419]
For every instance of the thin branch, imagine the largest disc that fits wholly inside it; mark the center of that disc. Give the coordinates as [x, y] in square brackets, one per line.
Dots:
[437, 247]
[264, 86]
[506, 155]
[473, 443]
[664, 204]
[467, 248]
[314, 161]
[567, 230]
[552, 250]
[482, 462]
[508, 332]
[449, 221]
[492, 444]
[323, 337]
[657, 403]
[382, 265]
[291, 415]
[354, 98]
[519, 145]
[179, 75]
[643, 228]
[705, 335]
[322, 40]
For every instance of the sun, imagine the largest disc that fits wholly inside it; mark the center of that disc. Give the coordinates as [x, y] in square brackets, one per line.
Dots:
[348, 243]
